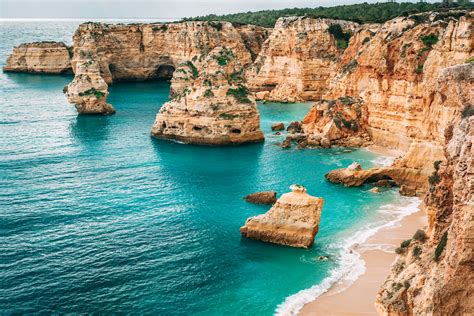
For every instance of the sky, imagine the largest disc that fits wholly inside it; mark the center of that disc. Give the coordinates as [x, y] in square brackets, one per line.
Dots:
[154, 9]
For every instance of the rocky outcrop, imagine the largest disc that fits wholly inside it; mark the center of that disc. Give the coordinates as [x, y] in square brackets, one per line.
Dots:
[292, 221]
[297, 60]
[398, 71]
[154, 51]
[215, 108]
[88, 91]
[265, 197]
[341, 122]
[40, 57]
[435, 276]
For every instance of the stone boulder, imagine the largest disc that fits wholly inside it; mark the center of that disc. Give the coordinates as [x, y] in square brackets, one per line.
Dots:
[278, 127]
[292, 221]
[266, 197]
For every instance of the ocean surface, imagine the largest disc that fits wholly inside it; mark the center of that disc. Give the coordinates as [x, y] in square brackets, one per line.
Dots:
[98, 217]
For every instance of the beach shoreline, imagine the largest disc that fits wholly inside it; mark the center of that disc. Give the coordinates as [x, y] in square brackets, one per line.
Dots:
[358, 297]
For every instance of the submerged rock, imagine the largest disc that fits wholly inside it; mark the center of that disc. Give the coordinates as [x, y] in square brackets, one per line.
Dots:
[266, 197]
[292, 221]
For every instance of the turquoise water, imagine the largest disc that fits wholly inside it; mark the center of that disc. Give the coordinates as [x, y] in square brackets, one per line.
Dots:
[96, 216]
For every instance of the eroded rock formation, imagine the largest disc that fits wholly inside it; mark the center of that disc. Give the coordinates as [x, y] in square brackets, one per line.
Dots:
[214, 108]
[340, 122]
[154, 51]
[292, 221]
[40, 57]
[297, 60]
[436, 276]
[398, 71]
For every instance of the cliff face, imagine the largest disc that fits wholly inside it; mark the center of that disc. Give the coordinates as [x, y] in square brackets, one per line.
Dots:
[393, 68]
[214, 108]
[292, 221]
[154, 51]
[40, 57]
[435, 274]
[297, 59]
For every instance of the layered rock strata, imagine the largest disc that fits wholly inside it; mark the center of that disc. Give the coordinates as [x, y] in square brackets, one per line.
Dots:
[154, 51]
[40, 57]
[297, 60]
[434, 275]
[215, 108]
[398, 70]
[292, 221]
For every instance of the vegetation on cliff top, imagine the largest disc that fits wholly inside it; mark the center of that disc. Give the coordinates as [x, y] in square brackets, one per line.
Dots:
[361, 13]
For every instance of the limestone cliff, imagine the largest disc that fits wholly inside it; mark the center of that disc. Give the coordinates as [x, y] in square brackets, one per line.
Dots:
[394, 69]
[215, 108]
[434, 275]
[292, 221]
[154, 51]
[40, 57]
[297, 59]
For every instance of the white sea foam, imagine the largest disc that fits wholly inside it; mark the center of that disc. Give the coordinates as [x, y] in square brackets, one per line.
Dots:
[383, 161]
[351, 266]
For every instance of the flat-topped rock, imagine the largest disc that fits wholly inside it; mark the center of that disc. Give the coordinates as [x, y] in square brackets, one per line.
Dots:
[40, 57]
[292, 221]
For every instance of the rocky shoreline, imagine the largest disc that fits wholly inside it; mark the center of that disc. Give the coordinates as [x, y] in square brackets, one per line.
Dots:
[406, 84]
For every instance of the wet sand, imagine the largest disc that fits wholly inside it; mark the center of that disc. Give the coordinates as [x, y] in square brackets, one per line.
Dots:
[358, 298]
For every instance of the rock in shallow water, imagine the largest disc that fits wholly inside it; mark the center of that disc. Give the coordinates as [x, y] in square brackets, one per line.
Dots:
[292, 221]
[278, 127]
[266, 197]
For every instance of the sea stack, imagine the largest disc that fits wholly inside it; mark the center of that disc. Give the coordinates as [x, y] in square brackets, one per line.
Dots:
[88, 91]
[292, 221]
[214, 108]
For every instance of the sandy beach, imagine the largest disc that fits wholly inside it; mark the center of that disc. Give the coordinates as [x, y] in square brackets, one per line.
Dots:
[358, 298]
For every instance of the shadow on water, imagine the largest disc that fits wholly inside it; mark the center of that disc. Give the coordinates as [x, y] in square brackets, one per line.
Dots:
[39, 81]
[219, 166]
[90, 130]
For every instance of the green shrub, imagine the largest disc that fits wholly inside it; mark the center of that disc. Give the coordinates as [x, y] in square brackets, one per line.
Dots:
[240, 94]
[216, 25]
[208, 93]
[420, 235]
[192, 68]
[92, 91]
[417, 251]
[405, 243]
[224, 56]
[429, 40]
[467, 111]
[341, 37]
[419, 69]
[470, 60]
[441, 245]
[436, 164]
[434, 178]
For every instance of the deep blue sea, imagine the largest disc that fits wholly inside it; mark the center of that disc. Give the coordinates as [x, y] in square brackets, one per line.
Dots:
[98, 217]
